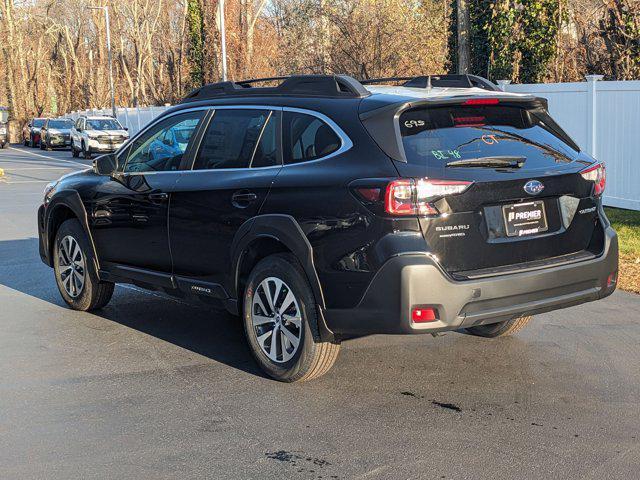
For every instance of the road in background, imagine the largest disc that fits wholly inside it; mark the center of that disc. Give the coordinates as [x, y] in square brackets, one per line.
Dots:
[151, 387]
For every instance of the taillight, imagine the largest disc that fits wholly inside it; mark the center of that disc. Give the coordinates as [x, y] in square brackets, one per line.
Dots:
[408, 196]
[597, 175]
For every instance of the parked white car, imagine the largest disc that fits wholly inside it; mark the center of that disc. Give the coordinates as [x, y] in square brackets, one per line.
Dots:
[97, 134]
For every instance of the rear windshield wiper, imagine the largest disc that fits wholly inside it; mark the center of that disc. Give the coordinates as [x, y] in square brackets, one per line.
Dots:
[490, 162]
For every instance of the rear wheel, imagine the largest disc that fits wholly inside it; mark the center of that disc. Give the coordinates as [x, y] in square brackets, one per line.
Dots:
[75, 271]
[281, 322]
[500, 329]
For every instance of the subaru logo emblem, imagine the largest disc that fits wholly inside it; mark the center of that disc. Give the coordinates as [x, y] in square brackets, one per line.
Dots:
[533, 187]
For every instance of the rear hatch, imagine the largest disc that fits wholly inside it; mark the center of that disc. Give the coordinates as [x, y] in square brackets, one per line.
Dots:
[527, 202]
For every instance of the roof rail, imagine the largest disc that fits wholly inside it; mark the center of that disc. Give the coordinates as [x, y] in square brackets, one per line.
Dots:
[448, 80]
[332, 86]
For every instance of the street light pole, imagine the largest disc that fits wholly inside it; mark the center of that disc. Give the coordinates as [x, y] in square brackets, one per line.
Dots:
[105, 9]
[223, 35]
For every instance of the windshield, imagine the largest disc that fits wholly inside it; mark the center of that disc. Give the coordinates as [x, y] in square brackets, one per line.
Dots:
[61, 124]
[38, 122]
[103, 124]
[438, 136]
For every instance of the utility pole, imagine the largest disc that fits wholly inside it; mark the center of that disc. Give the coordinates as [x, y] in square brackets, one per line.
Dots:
[109, 57]
[223, 37]
[464, 47]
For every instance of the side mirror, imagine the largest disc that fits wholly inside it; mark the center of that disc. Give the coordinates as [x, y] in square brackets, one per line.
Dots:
[29, 125]
[105, 164]
[126, 129]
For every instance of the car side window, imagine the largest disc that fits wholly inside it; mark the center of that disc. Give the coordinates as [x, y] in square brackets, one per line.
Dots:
[239, 139]
[306, 137]
[160, 149]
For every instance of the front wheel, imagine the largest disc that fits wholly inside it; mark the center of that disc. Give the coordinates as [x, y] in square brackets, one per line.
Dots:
[75, 270]
[74, 151]
[281, 322]
[500, 329]
[86, 151]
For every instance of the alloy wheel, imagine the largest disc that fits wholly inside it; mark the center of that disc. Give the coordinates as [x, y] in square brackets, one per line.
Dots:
[71, 266]
[276, 319]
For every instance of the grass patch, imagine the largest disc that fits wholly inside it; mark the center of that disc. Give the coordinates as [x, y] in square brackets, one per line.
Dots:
[627, 224]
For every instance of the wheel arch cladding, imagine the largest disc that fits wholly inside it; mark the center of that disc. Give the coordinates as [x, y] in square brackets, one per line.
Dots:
[275, 234]
[66, 205]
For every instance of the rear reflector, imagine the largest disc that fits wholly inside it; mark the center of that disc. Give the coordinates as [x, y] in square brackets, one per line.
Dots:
[597, 175]
[481, 101]
[612, 279]
[423, 314]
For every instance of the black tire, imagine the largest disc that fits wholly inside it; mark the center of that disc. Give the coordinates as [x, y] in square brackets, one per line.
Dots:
[32, 143]
[25, 142]
[93, 294]
[74, 152]
[43, 144]
[500, 329]
[313, 357]
[86, 151]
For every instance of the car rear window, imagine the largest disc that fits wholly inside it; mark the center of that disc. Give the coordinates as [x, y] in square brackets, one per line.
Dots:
[438, 135]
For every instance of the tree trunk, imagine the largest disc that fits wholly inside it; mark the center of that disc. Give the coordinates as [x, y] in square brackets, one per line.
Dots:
[464, 46]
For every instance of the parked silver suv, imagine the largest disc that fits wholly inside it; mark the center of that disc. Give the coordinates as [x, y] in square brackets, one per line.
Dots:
[97, 134]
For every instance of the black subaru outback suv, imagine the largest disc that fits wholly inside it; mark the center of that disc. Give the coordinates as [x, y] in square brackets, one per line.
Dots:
[325, 208]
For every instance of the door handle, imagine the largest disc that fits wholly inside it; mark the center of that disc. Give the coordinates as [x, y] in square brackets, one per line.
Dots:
[159, 197]
[243, 198]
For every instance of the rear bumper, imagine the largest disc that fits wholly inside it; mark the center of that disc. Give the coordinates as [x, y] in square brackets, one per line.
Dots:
[412, 280]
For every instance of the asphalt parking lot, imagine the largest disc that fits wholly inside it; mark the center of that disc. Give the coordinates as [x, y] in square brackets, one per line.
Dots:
[151, 387]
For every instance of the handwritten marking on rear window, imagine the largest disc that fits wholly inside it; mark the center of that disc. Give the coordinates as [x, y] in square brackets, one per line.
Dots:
[490, 139]
[445, 154]
[414, 123]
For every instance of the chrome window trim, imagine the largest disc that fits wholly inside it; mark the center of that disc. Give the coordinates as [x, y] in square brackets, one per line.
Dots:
[345, 142]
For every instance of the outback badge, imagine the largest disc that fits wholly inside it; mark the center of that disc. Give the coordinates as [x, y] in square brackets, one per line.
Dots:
[533, 187]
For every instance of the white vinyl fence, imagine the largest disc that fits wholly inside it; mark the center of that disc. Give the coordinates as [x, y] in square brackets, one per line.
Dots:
[604, 120]
[602, 117]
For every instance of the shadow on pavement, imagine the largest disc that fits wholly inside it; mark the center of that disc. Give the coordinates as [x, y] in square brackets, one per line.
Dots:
[198, 328]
